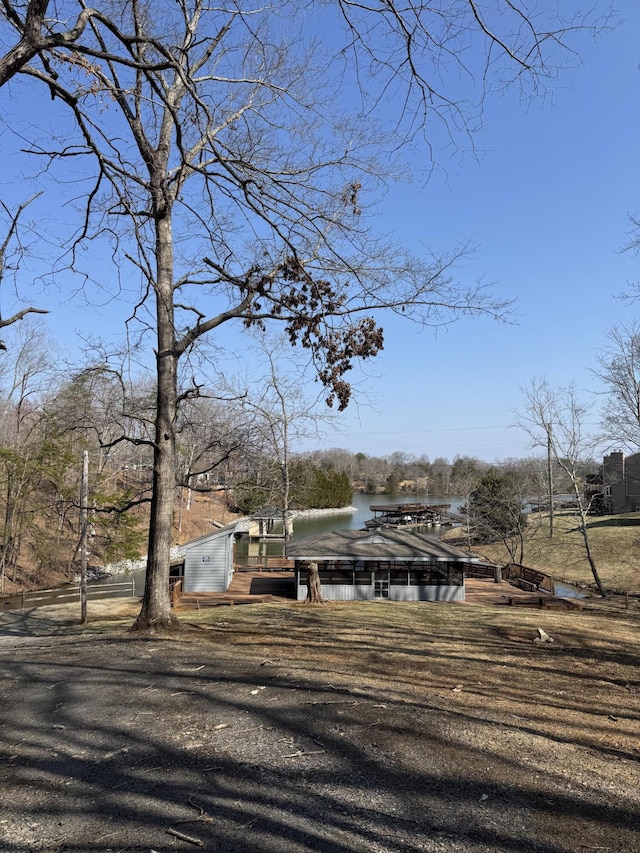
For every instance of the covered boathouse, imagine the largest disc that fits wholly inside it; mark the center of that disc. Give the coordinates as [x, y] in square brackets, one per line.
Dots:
[398, 565]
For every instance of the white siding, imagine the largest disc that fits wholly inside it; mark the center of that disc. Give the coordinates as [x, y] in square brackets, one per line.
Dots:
[208, 564]
[426, 593]
[339, 592]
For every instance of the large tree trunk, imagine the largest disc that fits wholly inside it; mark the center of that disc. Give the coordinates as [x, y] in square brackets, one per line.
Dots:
[156, 603]
[314, 594]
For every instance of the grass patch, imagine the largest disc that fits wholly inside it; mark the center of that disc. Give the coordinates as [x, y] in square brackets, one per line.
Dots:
[615, 543]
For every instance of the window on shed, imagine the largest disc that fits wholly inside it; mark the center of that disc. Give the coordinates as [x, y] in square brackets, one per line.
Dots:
[362, 572]
[421, 577]
[438, 574]
[176, 570]
[456, 574]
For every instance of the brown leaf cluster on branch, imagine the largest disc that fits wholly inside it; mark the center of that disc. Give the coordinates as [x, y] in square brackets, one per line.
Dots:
[307, 305]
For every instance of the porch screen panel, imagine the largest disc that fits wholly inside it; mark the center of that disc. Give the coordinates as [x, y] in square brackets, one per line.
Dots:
[425, 576]
[399, 575]
[336, 574]
[362, 572]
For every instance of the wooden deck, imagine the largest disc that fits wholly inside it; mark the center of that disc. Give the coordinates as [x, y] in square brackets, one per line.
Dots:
[277, 587]
[487, 593]
[245, 588]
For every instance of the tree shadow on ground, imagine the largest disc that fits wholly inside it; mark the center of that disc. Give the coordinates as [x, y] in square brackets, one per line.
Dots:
[615, 522]
[129, 744]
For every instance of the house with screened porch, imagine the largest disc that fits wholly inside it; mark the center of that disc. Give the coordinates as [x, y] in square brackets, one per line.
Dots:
[397, 565]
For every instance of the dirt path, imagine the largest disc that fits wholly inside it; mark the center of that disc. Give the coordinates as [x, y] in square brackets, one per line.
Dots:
[380, 729]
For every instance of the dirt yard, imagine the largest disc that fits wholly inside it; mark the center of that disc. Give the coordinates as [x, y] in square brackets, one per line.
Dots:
[376, 727]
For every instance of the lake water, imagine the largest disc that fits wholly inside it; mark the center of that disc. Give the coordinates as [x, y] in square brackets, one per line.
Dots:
[314, 525]
[563, 590]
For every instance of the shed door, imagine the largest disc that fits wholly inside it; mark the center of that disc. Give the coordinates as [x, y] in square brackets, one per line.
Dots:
[381, 583]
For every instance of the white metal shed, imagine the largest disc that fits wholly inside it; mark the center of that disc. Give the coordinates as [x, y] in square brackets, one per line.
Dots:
[208, 561]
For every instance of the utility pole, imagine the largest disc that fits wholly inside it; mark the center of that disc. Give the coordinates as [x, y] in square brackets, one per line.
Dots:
[84, 499]
[550, 479]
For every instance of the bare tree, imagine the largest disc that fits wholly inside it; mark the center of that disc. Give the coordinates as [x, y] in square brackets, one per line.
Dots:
[109, 412]
[556, 420]
[12, 250]
[619, 370]
[542, 403]
[224, 140]
[283, 410]
[35, 33]
[211, 431]
[99, 410]
[25, 377]
[465, 476]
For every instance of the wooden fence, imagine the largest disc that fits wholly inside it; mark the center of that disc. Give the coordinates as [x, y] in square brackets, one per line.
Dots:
[175, 591]
[66, 595]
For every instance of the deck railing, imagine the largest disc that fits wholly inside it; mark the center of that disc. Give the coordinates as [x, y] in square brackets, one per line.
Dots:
[474, 570]
[529, 579]
[263, 564]
[175, 591]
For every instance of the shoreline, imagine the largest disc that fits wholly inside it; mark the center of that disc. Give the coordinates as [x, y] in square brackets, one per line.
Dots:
[128, 567]
[313, 513]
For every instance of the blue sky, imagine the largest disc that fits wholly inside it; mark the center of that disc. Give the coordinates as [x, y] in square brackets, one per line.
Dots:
[546, 204]
[547, 208]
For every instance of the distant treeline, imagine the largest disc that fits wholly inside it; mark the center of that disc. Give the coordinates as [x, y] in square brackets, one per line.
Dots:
[401, 472]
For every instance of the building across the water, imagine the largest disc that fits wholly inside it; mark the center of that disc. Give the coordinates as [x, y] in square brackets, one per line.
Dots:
[621, 482]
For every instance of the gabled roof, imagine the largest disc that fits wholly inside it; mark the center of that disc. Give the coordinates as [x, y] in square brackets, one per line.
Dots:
[267, 511]
[227, 530]
[384, 544]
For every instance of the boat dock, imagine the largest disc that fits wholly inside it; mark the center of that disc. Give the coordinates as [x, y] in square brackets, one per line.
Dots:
[411, 515]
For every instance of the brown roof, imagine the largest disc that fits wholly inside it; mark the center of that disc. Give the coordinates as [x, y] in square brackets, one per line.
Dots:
[384, 544]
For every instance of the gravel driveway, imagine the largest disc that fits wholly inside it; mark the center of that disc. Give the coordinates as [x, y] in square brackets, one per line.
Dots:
[110, 742]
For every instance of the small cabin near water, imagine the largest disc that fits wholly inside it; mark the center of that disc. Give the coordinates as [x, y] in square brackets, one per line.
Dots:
[398, 565]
